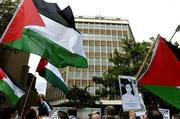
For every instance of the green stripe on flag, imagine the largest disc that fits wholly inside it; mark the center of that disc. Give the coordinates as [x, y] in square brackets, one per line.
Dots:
[40, 45]
[170, 94]
[5, 88]
[54, 80]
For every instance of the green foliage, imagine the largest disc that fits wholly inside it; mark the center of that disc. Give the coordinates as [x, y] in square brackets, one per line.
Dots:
[80, 97]
[7, 10]
[176, 44]
[127, 62]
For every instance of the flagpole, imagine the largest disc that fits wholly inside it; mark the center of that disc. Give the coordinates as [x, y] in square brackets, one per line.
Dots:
[177, 30]
[147, 55]
[27, 95]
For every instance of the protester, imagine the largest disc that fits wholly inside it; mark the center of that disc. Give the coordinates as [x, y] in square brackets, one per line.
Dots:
[62, 115]
[72, 113]
[94, 115]
[110, 113]
[153, 114]
[30, 114]
[44, 108]
[132, 114]
[8, 113]
[176, 116]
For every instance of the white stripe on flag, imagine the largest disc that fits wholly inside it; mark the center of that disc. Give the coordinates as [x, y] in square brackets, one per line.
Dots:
[61, 35]
[55, 71]
[16, 90]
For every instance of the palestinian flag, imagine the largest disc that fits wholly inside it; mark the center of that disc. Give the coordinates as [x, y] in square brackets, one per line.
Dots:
[163, 74]
[43, 29]
[8, 87]
[52, 75]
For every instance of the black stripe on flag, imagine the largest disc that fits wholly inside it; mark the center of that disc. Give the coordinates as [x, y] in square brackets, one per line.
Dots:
[174, 49]
[53, 12]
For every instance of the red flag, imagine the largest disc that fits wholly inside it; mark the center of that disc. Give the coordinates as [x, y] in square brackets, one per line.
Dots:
[163, 74]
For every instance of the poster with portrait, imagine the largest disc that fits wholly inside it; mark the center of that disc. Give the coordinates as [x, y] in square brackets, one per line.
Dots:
[129, 93]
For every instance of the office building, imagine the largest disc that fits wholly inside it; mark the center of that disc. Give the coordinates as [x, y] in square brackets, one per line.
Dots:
[102, 35]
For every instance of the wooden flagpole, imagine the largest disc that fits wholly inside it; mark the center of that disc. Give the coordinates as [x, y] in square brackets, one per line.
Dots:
[27, 95]
[30, 86]
[147, 55]
[177, 30]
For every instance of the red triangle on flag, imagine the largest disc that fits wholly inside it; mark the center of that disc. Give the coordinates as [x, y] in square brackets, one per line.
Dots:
[164, 69]
[41, 64]
[23, 18]
[2, 74]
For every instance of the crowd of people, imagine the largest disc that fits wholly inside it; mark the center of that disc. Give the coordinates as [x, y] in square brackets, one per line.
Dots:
[44, 109]
[11, 113]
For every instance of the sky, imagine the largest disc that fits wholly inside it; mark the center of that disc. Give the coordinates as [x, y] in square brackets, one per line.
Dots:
[147, 18]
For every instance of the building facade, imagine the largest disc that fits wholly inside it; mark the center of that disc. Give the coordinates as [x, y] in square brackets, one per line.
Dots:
[102, 35]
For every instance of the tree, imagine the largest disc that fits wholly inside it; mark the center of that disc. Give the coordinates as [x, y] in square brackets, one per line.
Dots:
[80, 97]
[7, 10]
[127, 62]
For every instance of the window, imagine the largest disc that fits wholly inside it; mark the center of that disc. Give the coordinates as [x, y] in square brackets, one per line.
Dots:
[71, 68]
[85, 31]
[91, 74]
[91, 43]
[119, 32]
[91, 60]
[115, 43]
[84, 83]
[113, 32]
[104, 61]
[97, 68]
[102, 31]
[124, 32]
[108, 32]
[81, 30]
[77, 82]
[97, 43]
[97, 55]
[104, 68]
[97, 49]
[98, 73]
[71, 82]
[103, 49]
[103, 43]
[109, 43]
[91, 68]
[91, 54]
[91, 31]
[104, 55]
[91, 83]
[97, 61]
[84, 75]
[71, 75]
[85, 42]
[97, 31]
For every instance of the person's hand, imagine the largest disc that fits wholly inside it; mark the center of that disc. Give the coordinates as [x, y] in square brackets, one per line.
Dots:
[132, 115]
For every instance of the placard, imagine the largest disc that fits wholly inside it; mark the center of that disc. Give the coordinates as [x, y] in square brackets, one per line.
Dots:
[129, 93]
